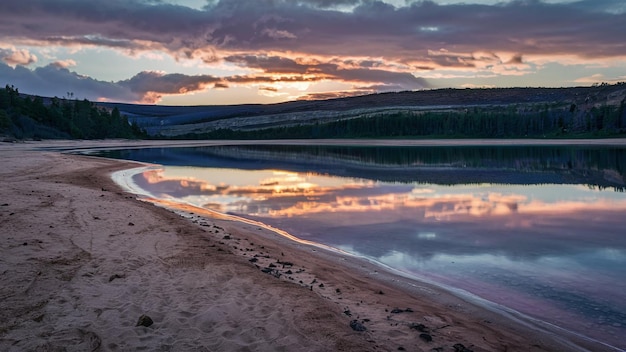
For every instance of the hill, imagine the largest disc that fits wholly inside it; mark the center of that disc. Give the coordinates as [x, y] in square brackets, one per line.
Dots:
[596, 111]
[576, 110]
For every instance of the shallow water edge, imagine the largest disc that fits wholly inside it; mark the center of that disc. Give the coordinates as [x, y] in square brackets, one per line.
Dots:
[377, 270]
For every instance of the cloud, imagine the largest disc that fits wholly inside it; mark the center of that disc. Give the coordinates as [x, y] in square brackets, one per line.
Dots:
[278, 34]
[334, 95]
[145, 87]
[366, 43]
[330, 3]
[158, 82]
[271, 92]
[525, 27]
[600, 78]
[516, 60]
[150, 87]
[349, 71]
[13, 56]
[54, 81]
[275, 64]
[64, 63]
[481, 86]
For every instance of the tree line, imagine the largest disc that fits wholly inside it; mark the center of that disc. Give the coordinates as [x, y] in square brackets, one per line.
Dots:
[23, 116]
[555, 120]
[32, 117]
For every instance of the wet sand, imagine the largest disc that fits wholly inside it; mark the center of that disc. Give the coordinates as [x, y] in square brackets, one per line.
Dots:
[82, 260]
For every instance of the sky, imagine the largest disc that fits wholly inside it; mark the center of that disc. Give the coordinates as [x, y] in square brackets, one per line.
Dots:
[212, 52]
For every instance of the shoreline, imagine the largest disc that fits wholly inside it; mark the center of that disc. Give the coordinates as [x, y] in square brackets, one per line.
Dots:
[85, 146]
[189, 274]
[367, 267]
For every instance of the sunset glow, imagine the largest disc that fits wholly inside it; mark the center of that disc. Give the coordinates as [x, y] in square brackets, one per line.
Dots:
[291, 194]
[200, 52]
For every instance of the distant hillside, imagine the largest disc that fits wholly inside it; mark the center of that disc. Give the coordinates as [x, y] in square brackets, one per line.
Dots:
[442, 112]
[597, 111]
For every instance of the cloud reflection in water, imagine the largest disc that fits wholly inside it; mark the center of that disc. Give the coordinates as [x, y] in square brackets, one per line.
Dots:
[521, 223]
[547, 249]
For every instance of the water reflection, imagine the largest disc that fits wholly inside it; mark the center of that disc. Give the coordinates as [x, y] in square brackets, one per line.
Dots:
[598, 167]
[558, 248]
[554, 250]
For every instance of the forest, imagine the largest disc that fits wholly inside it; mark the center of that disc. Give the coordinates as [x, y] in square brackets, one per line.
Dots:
[27, 117]
[590, 116]
[514, 121]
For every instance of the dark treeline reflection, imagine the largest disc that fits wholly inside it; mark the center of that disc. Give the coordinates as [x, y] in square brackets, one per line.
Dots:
[602, 167]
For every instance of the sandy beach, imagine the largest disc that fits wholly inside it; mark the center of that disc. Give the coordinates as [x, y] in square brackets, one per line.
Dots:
[82, 260]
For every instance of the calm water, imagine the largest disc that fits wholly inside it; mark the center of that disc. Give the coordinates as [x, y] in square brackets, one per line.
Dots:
[537, 229]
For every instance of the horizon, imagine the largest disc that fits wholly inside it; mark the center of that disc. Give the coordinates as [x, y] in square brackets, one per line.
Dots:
[323, 99]
[233, 52]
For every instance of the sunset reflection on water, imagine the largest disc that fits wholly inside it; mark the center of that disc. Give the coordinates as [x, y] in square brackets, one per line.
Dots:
[556, 252]
[277, 194]
[536, 228]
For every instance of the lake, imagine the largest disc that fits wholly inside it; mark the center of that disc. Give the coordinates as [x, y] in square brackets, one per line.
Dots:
[537, 229]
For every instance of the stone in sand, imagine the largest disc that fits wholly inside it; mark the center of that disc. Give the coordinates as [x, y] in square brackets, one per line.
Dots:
[460, 348]
[418, 327]
[356, 326]
[115, 276]
[426, 337]
[144, 320]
